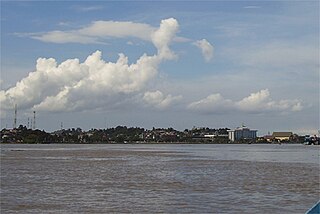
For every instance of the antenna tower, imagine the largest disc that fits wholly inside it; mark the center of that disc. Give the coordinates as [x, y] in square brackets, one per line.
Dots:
[15, 117]
[34, 119]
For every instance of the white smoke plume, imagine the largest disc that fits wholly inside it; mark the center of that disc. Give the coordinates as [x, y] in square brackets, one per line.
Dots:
[94, 83]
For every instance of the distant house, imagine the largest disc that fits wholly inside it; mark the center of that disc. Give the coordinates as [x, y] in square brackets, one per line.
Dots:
[282, 135]
[268, 138]
[242, 133]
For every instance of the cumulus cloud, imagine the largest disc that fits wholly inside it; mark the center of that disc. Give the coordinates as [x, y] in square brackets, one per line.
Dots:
[162, 37]
[159, 100]
[206, 49]
[72, 85]
[259, 102]
[212, 103]
[255, 101]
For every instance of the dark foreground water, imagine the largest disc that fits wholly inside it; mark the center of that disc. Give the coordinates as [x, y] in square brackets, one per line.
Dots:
[159, 178]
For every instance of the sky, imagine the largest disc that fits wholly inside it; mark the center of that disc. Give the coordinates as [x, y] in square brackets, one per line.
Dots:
[180, 64]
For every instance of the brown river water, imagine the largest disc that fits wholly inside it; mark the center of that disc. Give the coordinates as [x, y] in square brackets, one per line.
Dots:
[155, 178]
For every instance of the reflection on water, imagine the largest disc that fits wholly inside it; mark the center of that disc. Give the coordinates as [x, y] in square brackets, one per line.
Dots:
[158, 178]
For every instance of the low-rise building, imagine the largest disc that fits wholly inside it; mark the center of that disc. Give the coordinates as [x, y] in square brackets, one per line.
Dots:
[242, 133]
[269, 138]
[282, 136]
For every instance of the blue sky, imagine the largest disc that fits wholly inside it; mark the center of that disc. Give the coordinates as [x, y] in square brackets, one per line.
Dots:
[215, 63]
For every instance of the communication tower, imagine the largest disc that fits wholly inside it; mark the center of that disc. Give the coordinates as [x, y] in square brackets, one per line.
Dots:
[15, 117]
[34, 119]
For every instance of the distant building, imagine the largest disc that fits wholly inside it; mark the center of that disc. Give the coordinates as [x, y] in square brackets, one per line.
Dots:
[268, 138]
[242, 133]
[282, 135]
[214, 135]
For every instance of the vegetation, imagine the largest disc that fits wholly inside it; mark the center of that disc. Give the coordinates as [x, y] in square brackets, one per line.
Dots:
[123, 134]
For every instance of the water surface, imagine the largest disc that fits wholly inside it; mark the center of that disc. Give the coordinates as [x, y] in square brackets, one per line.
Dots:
[159, 178]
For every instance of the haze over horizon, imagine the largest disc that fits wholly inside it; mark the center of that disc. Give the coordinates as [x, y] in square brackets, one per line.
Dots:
[161, 64]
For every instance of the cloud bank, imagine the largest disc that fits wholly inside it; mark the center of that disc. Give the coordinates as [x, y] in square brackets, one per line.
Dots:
[259, 102]
[93, 83]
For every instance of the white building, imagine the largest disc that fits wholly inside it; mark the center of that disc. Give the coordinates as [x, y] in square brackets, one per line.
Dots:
[242, 133]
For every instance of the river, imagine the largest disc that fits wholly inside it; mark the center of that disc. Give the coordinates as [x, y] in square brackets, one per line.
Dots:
[165, 178]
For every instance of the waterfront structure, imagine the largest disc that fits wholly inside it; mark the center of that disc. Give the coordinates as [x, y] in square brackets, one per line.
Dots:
[268, 138]
[282, 136]
[242, 132]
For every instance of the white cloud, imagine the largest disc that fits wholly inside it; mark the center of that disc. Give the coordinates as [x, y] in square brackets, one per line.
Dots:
[206, 49]
[105, 29]
[88, 8]
[97, 31]
[255, 102]
[212, 103]
[75, 86]
[158, 100]
[94, 83]
[259, 102]
[162, 37]
[66, 37]
[65, 24]
[251, 7]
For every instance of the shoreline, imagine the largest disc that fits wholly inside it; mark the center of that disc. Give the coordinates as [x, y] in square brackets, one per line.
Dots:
[159, 143]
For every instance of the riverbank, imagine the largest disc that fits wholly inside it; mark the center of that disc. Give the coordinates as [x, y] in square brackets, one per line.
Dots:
[159, 143]
[136, 135]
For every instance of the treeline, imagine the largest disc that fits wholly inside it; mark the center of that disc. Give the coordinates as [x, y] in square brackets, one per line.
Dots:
[119, 134]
